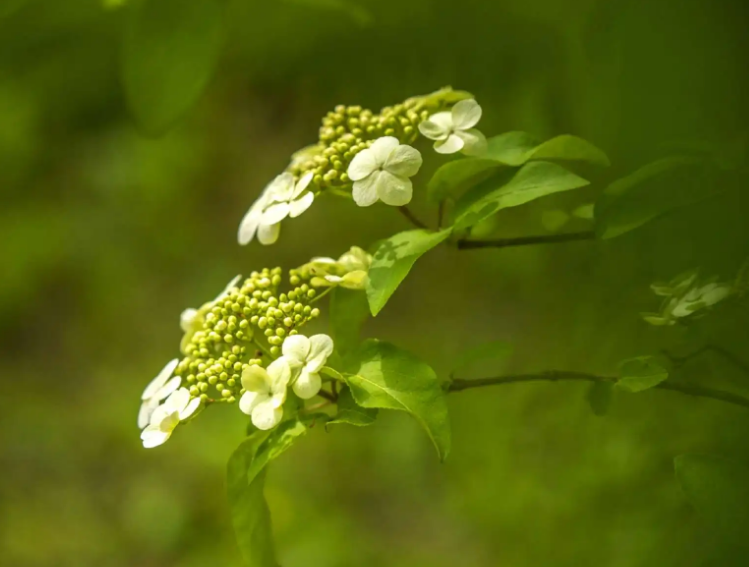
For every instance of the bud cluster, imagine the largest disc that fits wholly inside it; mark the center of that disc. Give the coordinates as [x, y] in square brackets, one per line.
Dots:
[243, 325]
[347, 130]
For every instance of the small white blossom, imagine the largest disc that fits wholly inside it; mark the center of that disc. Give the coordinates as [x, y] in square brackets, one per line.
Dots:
[351, 270]
[281, 198]
[252, 224]
[306, 356]
[454, 130]
[698, 298]
[265, 393]
[685, 296]
[177, 407]
[382, 171]
[159, 388]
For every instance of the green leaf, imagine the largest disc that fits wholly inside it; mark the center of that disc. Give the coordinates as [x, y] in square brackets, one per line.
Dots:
[170, 50]
[599, 396]
[459, 175]
[719, 491]
[653, 191]
[348, 311]
[641, 373]
[393, 260]
[249, 510]
[517, 148]
[245, 481]
[350, 412]
[534, 180]
[570, 148]
[387, 377]
[511, 148]
[554, 220]
[494, 350]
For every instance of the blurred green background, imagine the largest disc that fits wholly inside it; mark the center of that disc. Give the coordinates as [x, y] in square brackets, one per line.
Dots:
[106, 235]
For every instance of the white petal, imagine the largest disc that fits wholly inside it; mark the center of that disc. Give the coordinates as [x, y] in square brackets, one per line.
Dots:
[438, 126]
[450, 145]
[266, 415]
[178, 400]
[394, 190]
[249, 400]
[713, 293]
[188, 317]
[298, 206]
[168, 388]
[362, 165]
[146, 410]
[466, 114]
[355, 280]
[153, 437]
[191, 409]
[302, 184]
[160, 380]
[321, 347]
[279, 373]
[403, 161]
[382, 148]
[159, 414]
[281, 188]
[255, 379]
[365, 190]
[474, 142]
[248, 226]
[296, 349]
[169, 423]
[268, 233]
[355, 259]
[276, 213]
[307, 385]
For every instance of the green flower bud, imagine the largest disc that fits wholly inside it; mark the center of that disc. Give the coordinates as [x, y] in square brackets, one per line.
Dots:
[275, 351]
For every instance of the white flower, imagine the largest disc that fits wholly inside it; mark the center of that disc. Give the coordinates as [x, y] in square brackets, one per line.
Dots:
[265, 393]
[697, 298]
[252, 223]
[306, 356]
[351, 270]
[177, 407]
[454, 130]
[282, 198]
[382, 171]
[159, 388]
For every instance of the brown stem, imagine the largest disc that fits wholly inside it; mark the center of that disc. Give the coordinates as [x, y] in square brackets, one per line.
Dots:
[525, 240]
[458, 385]
[406, 212]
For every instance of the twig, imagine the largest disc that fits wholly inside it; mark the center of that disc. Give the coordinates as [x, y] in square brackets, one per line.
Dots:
[525, 240]
[458, 385]
[406, 212]
[327, 395]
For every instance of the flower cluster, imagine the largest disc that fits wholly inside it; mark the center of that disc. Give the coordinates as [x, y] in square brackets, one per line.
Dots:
[686, 296]
[366, 156]
[351, 270]
[245, 346]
